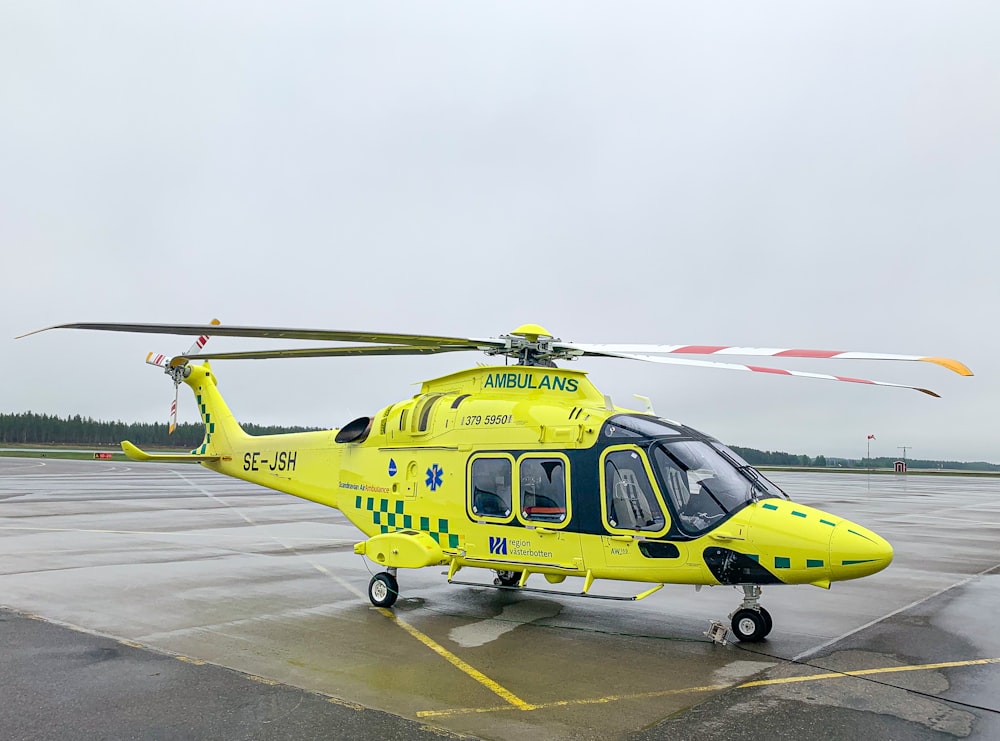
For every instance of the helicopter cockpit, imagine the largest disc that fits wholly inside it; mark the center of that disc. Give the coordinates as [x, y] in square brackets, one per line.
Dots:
[703, 481]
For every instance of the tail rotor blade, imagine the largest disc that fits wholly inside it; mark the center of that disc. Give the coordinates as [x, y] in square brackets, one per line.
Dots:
[176, 371]
[202, 339]
[173, 412]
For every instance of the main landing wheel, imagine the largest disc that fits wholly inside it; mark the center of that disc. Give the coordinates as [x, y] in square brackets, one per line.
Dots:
[507, 578]
[751, 626]
[383, 589]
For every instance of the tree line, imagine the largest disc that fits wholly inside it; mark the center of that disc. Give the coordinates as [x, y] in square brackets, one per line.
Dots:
[778, 458]
[29, 428]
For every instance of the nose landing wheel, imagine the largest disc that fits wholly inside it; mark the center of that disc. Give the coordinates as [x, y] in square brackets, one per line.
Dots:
[751, 622]
[751, 625]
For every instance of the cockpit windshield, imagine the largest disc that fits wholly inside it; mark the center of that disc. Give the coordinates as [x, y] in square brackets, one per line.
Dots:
[766, 487]
[704, 484]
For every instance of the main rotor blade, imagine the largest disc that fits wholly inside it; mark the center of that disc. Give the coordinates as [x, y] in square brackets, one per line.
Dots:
[284, 333]
[318, 352]
[952, 365]
[756, 369]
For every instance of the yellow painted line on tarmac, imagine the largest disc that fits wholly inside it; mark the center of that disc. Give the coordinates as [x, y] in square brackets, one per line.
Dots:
[494, 687]
[574, 703]
[515, 702]
[706, 688]
[866, 672]
[346, 703]
[189, 660]
[263, 680]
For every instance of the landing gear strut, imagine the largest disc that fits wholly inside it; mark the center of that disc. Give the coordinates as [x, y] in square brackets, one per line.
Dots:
[383, 589]
[750, 621]
[507, 578]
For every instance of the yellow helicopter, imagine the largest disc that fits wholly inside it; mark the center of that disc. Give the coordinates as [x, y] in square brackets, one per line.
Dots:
[528, 469]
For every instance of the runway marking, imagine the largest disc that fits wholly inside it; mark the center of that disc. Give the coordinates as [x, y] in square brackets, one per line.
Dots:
[79, 530]
[214, 536]
[458, 663]
[263, 680]
[189, 660]
[708, 688]
[468, 669]
[345, 703]
[888, 615]
[571, 703]
[866, 672]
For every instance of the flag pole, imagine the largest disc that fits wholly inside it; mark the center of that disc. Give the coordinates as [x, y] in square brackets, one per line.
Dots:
[870, 438]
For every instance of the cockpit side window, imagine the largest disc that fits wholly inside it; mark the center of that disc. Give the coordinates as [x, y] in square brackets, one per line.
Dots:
[703, 486]
[629, 497]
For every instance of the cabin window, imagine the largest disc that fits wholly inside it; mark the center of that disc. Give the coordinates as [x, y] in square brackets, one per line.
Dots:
[543, 489]
[630, 500]
[491, 488]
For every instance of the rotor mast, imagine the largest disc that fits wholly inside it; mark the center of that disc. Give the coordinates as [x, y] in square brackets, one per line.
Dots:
[531, 345]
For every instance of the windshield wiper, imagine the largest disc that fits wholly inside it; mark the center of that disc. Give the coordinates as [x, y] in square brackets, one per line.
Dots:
[715, 499]
[760, 484]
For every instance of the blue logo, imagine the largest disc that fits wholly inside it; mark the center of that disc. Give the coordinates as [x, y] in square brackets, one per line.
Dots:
[498, 546]
[434, 474]
[392, 467]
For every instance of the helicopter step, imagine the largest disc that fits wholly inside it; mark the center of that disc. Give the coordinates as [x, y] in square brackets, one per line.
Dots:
[535, 590]
[515, 581]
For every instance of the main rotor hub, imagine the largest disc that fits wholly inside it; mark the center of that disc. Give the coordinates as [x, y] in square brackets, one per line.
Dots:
[531, 344]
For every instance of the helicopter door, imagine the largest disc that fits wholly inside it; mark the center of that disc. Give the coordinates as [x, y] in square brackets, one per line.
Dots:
[634, 515]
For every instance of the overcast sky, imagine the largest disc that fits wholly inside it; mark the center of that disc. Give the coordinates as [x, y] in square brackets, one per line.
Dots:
[781, 174]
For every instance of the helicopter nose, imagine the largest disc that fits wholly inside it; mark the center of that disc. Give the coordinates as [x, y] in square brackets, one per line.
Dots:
[856, 551]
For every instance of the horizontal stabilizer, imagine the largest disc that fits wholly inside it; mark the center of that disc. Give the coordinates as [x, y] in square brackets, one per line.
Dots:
[135, 454]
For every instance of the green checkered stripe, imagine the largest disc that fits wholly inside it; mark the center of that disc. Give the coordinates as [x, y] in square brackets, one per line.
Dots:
[209, 426]
[390, 515]
[784, 562]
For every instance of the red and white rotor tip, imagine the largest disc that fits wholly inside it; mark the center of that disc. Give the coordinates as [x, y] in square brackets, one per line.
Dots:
[163, 361]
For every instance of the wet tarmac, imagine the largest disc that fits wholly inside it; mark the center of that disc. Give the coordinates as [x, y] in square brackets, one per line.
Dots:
[260, 597]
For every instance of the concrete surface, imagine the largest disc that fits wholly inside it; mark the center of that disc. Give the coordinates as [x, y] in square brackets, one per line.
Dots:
[196, 567]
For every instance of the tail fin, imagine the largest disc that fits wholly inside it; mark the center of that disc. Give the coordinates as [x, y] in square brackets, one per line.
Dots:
[222, 430]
